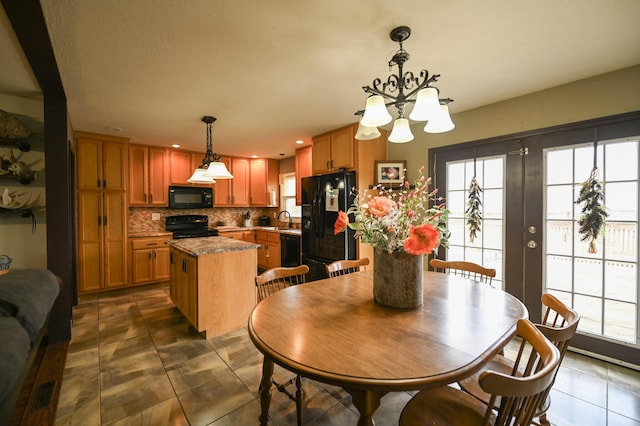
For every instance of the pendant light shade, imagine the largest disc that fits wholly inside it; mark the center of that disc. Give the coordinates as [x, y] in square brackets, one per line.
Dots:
[212, 168]
[427, 105]
[440, 123]
[365, 133]
[200, 177]
[401, 131]
[218, 170]
[375, 113]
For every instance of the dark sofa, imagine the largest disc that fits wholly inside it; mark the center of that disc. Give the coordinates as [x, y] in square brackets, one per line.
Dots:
[26, 298]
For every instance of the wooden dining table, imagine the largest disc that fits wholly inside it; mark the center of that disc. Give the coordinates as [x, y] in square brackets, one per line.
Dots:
[333, 332]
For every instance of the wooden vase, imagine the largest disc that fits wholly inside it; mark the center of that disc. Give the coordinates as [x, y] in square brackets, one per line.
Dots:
[397, 280]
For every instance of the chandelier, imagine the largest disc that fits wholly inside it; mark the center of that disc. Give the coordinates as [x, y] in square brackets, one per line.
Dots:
[400, 90]
[211, 168]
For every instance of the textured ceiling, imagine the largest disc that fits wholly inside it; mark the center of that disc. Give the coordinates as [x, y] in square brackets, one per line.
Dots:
[280, 70]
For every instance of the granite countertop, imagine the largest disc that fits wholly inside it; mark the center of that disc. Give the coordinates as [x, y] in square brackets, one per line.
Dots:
[210, 245]
[147, 234]
[290, 231]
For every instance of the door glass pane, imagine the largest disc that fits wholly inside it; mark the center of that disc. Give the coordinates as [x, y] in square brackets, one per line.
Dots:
[602, 286]
[486, 249]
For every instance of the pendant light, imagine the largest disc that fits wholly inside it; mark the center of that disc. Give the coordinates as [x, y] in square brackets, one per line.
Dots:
[211, 168]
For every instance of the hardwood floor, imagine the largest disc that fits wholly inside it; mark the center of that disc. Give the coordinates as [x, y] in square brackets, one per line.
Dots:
[134, 360]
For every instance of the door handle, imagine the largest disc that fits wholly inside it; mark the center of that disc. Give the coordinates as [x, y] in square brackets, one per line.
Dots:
[532, 244]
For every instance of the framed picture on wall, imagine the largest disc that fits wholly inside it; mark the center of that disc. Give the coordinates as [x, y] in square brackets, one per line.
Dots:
[390, 173]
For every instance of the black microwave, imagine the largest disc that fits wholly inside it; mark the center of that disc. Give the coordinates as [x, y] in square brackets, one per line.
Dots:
[190, 197]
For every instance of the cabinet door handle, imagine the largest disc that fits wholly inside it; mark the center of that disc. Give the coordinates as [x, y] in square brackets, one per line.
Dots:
[104, 183]
[150, 255]
[99, 220]
[105, 221]
[328, 164]
[171, 258]
[151, 198]
[98, 184]
[144, 197]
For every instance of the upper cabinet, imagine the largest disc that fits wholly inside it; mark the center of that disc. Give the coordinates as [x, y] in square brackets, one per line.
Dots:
[264, 185]
[233, 192]
[333, 151]
[148, 175]
[303, 169]
[183, 164]
[102, 162]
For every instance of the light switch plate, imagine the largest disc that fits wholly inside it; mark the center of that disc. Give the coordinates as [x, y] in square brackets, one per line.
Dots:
[155, 216]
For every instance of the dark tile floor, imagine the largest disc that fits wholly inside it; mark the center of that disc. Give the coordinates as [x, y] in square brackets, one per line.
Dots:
[134, 360]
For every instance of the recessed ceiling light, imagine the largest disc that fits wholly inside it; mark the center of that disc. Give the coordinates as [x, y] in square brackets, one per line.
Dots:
[114, 129]
[299, 141]
[175, 145]
[254, 156]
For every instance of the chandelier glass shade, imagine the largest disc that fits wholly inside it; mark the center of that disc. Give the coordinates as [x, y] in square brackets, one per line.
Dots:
[211, 168]
[399, 91]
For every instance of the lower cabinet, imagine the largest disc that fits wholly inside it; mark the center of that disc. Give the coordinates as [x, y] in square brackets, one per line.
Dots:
[183, 287]
[269, 251]
[149, 260]
[248, 236]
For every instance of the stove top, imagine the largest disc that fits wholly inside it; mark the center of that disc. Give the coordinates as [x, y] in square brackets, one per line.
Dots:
[189, 226]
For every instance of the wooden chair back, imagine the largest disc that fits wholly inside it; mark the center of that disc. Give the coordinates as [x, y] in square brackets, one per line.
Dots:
[522, 392]
[275, 279]
[466, 269]
[514, 395]
[559, 325]
[344, 267]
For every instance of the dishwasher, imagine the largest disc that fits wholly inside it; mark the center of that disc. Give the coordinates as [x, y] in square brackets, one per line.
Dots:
[289, 250]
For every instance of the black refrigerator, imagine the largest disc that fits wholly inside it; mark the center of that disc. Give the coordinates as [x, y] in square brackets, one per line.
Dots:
[322, 198]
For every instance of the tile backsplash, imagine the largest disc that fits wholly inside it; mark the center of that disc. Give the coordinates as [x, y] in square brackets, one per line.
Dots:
[141, 218]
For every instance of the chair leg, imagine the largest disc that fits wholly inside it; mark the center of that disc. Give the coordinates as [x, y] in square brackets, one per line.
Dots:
[299, 399]
[543, 420]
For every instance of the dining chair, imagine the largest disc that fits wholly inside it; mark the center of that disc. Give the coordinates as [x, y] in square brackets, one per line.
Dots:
[269, 282]
[344, 267]
[466, 269]
[519, 391]
[559, 325]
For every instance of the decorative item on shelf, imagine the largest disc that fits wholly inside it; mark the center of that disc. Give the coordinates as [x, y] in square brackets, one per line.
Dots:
[211, 168]
[593, 214]
[401, 226]
[5, 261]
[390, 173]
[20, 204]
[13, 132]
[13, 168]
[419, 91]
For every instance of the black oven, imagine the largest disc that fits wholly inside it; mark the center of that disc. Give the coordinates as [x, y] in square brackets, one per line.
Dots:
[190, 197]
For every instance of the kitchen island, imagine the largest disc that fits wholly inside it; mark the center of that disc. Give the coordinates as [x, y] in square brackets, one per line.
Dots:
[213, 282]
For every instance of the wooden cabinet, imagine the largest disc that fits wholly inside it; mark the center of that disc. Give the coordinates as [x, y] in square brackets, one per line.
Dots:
[269, 250]
[183, 164]
[149, 260]
[183, 287]
[264, 187]
[303, 169]
[101, 179]
[248, 236]
[101, 163]
[233, 192]
[148, 176]
[333, 151]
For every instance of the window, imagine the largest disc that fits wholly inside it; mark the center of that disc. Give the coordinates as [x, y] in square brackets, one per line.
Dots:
[288, 194]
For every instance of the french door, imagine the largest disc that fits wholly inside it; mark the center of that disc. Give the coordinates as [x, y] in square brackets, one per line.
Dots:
[529, 230]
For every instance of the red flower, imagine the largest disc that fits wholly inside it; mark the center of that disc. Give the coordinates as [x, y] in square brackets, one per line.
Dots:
[422, 239]
[380, 206]
[341, 223]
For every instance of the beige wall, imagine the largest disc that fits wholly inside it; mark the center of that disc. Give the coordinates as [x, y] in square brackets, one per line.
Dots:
[600, 96]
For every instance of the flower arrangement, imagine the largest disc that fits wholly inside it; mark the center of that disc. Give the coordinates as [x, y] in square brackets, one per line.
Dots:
[412, 219]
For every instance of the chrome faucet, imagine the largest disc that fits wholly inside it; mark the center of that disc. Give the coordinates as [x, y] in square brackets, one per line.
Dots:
[284, 211]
